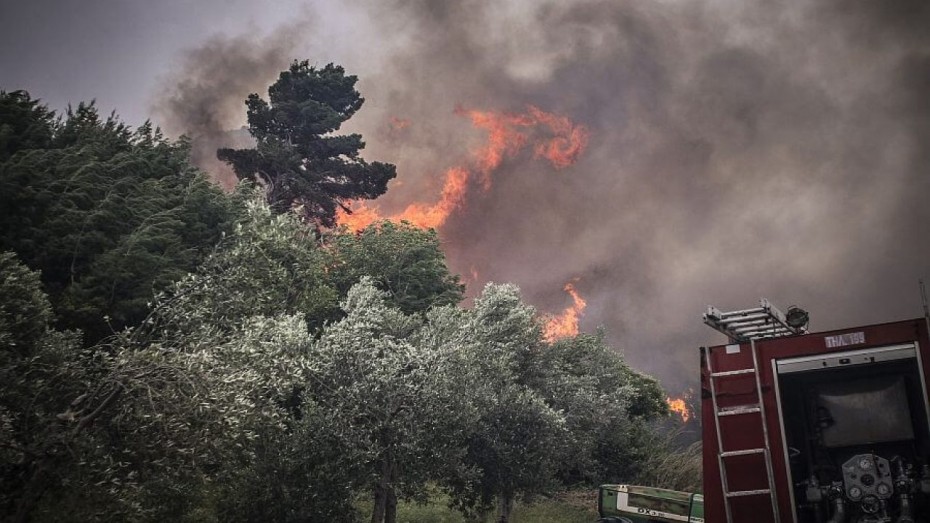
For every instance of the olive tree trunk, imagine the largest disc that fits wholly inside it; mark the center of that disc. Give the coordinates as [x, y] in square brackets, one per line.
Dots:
[385, 510]
[504, 507]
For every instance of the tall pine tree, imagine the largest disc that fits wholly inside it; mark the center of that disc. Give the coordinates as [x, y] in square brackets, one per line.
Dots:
[302, 164]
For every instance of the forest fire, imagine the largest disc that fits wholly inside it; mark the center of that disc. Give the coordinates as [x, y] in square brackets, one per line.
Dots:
[554, 138]
[566, 324]
[680, 407]
[504, 140]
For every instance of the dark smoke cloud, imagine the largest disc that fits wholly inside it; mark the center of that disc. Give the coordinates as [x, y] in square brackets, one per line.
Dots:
[205, 96]
[738, 150]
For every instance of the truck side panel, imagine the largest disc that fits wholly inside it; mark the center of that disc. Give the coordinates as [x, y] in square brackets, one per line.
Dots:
[744, 431]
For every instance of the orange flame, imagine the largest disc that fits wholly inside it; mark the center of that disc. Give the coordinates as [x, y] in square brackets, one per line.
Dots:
[568, 140]
[505, 140]
[419, 214]
[566, 324]
[453, 196]
[679, 406]
[362, 216]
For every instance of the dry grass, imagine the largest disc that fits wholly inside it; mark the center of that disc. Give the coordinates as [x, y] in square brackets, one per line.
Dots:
[674, 468]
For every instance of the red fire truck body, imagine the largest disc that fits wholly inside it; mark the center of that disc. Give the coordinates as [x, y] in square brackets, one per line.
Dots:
[841, 433]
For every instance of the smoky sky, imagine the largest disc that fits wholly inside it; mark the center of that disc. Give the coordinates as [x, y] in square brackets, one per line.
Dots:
[738, 149]
[204, 100]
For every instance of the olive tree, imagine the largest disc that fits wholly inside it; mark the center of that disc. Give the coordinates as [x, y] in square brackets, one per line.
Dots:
[393, 386]
[514, 447]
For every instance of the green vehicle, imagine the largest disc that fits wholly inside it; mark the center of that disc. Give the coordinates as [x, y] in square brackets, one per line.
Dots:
[633, 504]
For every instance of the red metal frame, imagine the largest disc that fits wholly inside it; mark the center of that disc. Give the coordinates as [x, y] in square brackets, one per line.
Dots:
[745, 431]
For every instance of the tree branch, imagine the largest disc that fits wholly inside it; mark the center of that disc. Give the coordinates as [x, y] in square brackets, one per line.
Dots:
[88, 419]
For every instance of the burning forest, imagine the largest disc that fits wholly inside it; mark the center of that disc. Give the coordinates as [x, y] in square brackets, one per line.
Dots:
[551, 137]
[342, 323]
[668, 154]
[203, 324]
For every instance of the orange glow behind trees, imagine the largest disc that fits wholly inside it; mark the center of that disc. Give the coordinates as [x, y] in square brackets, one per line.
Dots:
[552, 137]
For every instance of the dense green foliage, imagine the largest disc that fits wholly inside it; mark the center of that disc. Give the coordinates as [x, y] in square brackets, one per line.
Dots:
[109, 216]
[33, 362]
[403, 260]
[24, 124]
[140, 427]
[551, 410]
[302, 164]
[393, 388]
[241, 366]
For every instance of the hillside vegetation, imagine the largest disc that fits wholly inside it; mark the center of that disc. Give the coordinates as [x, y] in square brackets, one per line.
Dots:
[169, 352]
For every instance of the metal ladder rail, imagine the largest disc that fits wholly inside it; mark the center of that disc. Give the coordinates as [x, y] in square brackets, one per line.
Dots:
[765, 430]
[721, 454]
[764, 321]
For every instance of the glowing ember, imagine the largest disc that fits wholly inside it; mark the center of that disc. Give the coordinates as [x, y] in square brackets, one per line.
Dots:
[508, 134]
[679, 406]
[566, 324]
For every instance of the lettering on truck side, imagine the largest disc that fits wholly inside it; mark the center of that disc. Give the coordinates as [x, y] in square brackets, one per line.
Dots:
[842, 340]
[623, 504]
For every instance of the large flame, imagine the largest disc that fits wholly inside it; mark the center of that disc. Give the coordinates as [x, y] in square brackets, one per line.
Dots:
[553, 137]
[565, 324]
[562, 148]
[680, 407]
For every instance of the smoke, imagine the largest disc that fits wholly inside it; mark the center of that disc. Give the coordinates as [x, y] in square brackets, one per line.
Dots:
[736, 150]
[204, 98]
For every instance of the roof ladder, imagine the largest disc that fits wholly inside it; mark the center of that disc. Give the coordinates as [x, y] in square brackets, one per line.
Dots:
[765, 450]
[764, 321]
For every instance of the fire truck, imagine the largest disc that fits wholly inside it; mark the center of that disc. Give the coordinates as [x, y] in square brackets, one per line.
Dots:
[827, 427]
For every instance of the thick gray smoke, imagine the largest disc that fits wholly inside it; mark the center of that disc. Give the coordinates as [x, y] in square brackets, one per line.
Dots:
[738, 150]
[205, 97]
